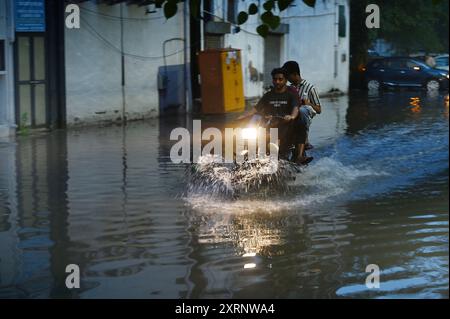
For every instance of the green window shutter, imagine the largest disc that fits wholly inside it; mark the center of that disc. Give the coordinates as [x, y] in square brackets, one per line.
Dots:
[2, 55]
[342, 22]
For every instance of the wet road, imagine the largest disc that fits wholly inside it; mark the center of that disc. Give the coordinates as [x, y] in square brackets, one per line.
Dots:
[111, 201]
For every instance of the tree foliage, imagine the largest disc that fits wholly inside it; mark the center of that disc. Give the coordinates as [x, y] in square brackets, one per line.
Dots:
[269, 16]
[415, 25]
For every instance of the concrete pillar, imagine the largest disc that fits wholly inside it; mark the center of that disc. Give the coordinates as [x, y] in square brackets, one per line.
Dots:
[7, 118]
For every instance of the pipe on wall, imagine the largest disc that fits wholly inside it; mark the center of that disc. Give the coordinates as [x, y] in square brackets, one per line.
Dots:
[187, 62]
[336, 37]
[9, 63]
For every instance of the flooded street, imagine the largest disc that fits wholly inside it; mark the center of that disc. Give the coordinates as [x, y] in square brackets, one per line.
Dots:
[110, 201]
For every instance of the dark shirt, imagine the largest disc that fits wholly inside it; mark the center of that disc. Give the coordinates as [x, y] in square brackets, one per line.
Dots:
[294, 91]
[277, 104]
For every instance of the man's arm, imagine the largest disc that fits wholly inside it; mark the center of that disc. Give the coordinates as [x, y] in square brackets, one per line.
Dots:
[313, 101]
[257, 108]
[294, 113]
[252, 112]
[295, 108]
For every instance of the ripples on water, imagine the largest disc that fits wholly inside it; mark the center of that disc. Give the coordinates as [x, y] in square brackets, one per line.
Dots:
[110, 201]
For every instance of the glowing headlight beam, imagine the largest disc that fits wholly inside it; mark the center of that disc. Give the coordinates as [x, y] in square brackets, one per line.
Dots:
[250, 133]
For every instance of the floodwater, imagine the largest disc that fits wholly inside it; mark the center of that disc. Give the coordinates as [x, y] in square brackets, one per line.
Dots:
[110, 201]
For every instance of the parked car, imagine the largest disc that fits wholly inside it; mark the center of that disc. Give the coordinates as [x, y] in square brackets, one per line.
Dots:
[404, 72]
[441, 62]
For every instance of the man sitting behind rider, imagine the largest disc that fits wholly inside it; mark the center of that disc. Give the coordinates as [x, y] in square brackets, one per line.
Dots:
[283, 104]
[308, 99]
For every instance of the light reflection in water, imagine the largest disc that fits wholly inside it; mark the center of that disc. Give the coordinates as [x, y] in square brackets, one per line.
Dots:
[446, 107]
[415, 103]
[251, 234]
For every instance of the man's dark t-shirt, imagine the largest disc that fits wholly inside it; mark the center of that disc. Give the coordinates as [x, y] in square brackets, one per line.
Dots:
[277, 104]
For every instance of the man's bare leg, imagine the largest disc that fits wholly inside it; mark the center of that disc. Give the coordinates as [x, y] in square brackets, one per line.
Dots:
[301, 158]
[308, 146]
[301, 150]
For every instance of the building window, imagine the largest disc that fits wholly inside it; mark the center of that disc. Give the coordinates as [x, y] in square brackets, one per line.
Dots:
[2, 55]
[342, 22]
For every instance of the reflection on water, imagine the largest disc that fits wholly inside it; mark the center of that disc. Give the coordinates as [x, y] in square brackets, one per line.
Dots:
[415, 104]
[446, 103]
[110, 201]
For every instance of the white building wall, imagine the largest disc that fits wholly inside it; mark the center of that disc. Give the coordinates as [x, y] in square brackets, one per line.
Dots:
[7, 118]
[313, 40]
[146, 38]
[252, 52]
[93, 61]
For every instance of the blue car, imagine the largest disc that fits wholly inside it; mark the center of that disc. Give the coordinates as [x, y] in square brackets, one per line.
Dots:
[404, 72]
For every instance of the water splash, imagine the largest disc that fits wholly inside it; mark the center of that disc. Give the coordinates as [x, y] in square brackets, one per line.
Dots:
[291, 188]
[328, 178]
[375, 161]
[253, 177]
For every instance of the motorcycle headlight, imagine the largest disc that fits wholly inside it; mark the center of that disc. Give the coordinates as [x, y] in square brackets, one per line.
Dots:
[250, 133]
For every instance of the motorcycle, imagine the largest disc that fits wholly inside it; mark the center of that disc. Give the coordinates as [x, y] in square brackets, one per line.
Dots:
[286, 150]
[256, 175]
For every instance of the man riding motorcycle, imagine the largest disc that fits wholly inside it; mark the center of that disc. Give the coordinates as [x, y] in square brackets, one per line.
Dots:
[280, 106]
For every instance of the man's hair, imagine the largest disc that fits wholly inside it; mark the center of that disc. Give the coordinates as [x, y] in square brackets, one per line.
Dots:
[279, 71]
[291, 67]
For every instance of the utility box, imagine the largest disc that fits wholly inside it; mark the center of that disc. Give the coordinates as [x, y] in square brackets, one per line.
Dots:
[221, 81]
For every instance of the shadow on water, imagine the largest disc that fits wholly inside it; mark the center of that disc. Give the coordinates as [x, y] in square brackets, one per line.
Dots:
[111, 201]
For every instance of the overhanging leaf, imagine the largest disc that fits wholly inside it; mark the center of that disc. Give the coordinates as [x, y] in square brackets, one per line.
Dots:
[266, 17]
[310, 3]
[242, 17]
[268, 5]
[274, 22]
[284, 4]
[170, 9]
[263, 30]
[158, 3]
[253, 9]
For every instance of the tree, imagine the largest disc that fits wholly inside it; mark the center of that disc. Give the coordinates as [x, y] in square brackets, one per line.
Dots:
[269, 18]
[415, 25]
